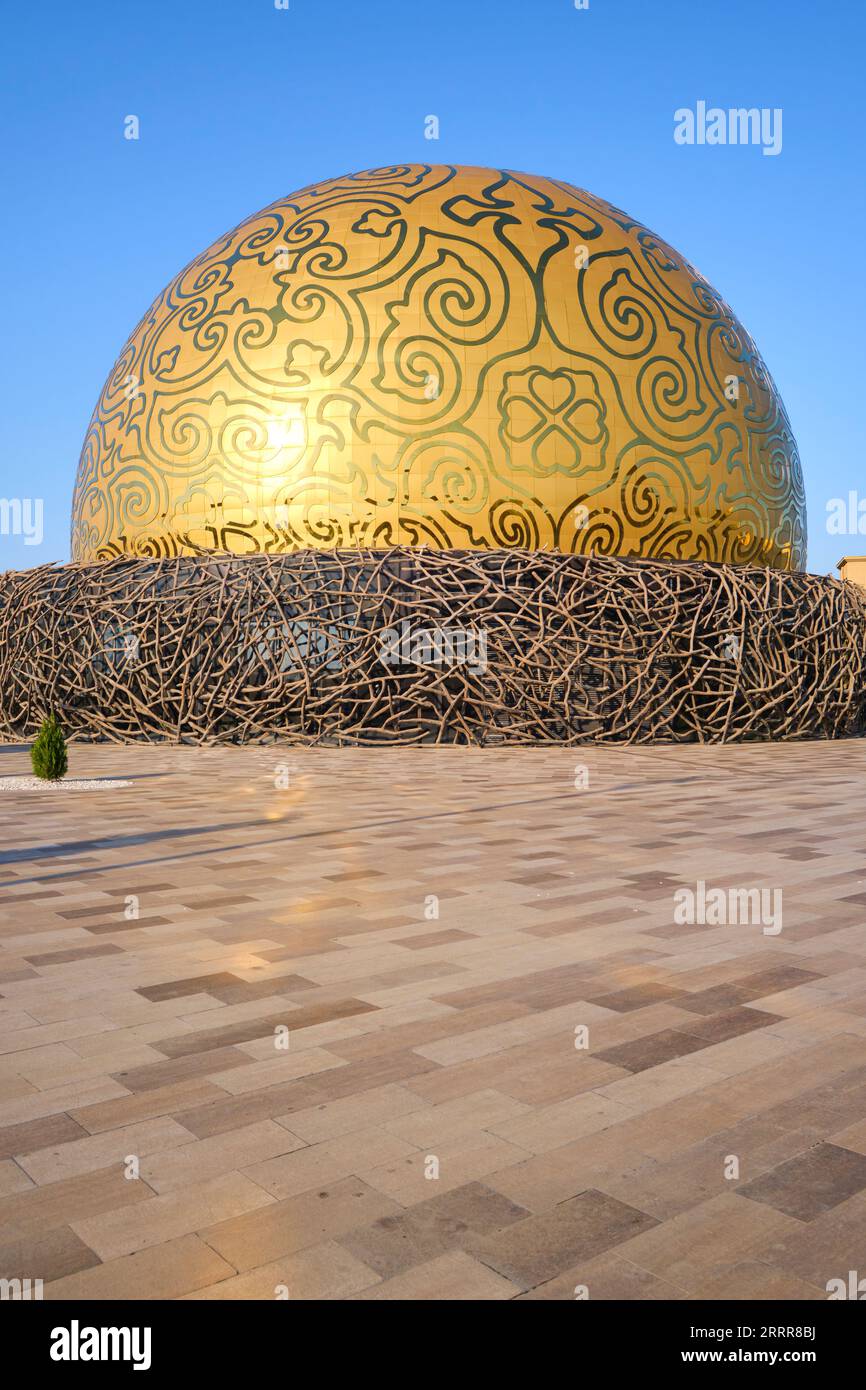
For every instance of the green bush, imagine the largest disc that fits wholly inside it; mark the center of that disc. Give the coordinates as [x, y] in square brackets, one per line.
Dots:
[48, 754]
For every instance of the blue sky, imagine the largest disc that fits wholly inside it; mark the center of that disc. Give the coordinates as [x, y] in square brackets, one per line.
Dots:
[240, 102]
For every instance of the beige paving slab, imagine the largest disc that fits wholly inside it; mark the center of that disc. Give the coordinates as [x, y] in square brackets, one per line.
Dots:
[12, 1178]
[284, 1227]
[474, 1154]
[52, 1164]
[193, 1162]
[160, 1219]
[359, 1154]
[693, 1248]
[166, 1271]
[325, 1271]
[35, 1210]
[453, 1276]
[353, 1112]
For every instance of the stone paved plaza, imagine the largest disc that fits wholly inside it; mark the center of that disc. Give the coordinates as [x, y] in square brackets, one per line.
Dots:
[510, 1070]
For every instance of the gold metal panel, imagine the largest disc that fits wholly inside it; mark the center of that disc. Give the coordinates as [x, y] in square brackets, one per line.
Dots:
[452, 357]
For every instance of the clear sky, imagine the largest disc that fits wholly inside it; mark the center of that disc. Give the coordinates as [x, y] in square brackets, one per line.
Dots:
[240, 102]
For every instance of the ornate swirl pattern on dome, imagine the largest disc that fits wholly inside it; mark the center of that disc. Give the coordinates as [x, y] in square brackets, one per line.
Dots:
[441, 356]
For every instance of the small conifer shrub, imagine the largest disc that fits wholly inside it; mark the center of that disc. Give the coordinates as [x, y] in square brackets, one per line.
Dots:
[48, 754]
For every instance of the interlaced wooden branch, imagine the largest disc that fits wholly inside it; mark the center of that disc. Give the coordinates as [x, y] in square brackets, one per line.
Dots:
[533, 647]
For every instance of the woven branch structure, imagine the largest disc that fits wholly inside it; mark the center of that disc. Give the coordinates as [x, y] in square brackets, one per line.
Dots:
[407, 646]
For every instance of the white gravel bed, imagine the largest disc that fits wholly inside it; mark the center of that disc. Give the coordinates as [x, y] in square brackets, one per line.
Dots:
[65, 784]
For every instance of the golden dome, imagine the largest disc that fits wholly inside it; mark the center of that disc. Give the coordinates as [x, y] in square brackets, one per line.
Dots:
[453, 357]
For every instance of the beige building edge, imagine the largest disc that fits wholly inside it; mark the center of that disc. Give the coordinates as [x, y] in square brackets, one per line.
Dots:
[853, 567]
